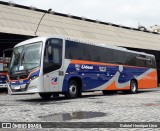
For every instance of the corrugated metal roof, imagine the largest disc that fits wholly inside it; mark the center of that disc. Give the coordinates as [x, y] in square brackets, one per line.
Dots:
[22, 20]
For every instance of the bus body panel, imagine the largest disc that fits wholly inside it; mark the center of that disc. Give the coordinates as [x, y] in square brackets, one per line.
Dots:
[51, 82]
[103, 76]
[149, 80]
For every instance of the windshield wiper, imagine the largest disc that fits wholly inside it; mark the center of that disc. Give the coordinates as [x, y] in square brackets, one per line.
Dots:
[22, 58]
[15, 63]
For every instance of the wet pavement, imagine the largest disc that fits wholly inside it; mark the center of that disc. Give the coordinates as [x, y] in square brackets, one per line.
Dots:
[92, 107]
[72, 116]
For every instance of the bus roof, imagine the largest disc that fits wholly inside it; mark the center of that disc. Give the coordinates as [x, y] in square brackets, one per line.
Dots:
[36, 39]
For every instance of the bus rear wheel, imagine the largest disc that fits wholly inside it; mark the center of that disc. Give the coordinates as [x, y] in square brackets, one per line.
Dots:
[72, 90]
[133, 87]
[45, 96]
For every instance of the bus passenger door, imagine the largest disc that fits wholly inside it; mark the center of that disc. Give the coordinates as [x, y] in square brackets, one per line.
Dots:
[51, 82]
[52, 64]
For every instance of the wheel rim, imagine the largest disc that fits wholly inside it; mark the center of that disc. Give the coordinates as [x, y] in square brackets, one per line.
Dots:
[72, 90]
[133, 87]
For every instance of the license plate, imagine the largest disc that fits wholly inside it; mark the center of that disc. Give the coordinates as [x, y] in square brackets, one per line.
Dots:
[16, 87]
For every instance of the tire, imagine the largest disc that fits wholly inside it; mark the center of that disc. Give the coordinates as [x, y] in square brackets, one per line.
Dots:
[45, 96]
[72, 90]
[133, 87]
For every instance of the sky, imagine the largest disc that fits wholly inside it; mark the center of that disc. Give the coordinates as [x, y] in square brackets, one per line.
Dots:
[122, 12]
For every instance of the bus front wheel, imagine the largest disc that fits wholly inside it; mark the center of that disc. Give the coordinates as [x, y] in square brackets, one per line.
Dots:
[72, 90]
[133, 87]
[45, 95]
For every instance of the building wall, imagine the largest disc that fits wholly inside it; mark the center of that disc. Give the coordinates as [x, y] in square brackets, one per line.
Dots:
[22, 20]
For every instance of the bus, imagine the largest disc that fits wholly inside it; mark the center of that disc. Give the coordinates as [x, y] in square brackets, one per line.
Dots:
[4, 63]
[54, 65]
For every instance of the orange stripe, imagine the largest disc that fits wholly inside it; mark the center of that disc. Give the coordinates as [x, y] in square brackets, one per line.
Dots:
[90, 62]
[114, 87]
[25, 78]
[149, 81]
[99, 63]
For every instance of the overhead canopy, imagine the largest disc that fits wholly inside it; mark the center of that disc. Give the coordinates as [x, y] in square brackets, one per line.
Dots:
[17, 19]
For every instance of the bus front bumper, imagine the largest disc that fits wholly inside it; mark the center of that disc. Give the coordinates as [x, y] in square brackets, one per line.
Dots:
[3, 86]
[21, 89]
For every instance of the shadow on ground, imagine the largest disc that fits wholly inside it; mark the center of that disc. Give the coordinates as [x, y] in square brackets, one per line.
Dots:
[3, 91]
[92, 95]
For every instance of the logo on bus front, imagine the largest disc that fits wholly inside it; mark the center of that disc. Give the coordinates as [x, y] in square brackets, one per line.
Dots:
[54, 81]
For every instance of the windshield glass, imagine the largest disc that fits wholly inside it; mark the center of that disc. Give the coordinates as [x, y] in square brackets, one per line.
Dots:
[26, 57]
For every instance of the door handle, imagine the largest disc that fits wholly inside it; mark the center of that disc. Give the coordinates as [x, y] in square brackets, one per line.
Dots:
[61, 73]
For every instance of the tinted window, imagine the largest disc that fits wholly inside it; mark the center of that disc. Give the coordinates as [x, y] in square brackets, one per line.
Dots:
[81, 51]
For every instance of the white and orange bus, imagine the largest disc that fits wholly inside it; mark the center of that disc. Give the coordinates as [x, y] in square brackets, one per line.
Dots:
[52, 65]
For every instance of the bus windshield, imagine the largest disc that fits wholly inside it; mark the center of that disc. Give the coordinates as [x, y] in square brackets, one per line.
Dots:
[25, 57]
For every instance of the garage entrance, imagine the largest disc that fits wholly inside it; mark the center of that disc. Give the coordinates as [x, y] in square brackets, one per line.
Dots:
[10, 40]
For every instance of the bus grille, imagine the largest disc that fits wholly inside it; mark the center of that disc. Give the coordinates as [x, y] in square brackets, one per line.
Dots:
[18, 77]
